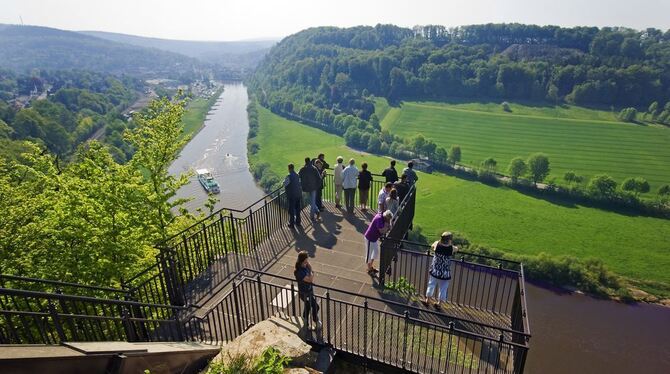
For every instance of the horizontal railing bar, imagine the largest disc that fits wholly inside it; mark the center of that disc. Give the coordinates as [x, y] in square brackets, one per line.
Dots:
[514, 272]
[465, 252]
[25, 313]
[60, 283]
[37, 294]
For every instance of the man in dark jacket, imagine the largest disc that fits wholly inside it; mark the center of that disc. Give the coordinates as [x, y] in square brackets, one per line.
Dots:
[310, 180]
[324, 167]
[294, 194]
[390, 173]
[402, 187]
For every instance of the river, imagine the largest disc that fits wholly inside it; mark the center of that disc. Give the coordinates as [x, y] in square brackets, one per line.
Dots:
[221, 147]
[571, 333]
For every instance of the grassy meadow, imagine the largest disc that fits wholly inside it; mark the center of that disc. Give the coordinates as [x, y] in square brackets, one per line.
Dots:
[584, 140]
[497, 217]
[196, 112]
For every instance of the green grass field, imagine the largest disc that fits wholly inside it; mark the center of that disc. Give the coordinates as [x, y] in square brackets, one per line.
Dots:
[584, 140]
[497, 217]
[196, 112]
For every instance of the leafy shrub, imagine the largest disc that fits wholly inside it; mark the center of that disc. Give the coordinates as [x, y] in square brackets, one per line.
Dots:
[505, 106]
[271, 361]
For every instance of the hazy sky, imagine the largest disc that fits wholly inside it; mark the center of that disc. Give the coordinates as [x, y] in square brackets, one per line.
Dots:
[247, 19]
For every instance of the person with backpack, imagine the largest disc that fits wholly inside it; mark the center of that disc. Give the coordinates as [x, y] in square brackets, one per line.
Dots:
[440, 269]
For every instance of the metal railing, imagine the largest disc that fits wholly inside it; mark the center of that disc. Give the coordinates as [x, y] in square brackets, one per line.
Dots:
[36, 317]
[400, 225]
[376, 185]
[384, 331]
[480, 283]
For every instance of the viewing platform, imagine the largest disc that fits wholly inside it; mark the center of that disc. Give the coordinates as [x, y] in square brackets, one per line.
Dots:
[235, 269]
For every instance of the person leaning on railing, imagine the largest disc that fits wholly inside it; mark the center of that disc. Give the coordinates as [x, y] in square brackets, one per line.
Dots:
[381, 197]
[440, 268]
[380, 224]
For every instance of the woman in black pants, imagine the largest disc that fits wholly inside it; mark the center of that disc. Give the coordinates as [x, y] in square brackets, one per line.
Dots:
[305, 277]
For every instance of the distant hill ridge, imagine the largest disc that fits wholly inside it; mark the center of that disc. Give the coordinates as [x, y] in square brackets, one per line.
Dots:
[226, 53]
[23, 48]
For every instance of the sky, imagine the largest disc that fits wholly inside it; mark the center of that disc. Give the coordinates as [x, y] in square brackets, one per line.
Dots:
[258, 19]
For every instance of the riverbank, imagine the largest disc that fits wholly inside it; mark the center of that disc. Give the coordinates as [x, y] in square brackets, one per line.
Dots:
[196, 112]
[571, 235]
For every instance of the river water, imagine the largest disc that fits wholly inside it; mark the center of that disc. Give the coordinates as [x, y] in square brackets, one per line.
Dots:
[571, 333]
[221, 147]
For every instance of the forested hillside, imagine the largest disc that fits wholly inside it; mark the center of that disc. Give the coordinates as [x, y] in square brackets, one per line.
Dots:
[23, 48]
[61, 109]
[338, 69]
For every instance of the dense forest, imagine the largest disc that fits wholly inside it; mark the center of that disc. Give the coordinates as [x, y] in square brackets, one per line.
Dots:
[338, 70]
[61, 109]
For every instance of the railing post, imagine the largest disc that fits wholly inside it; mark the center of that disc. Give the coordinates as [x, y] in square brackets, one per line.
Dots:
[170, 273]
[328, 316]
[404, 340]
[251, 234]
[131, 336]
[267, 220]
[209, 254]
[260, 296]
[365, 328]
[292, 297]
[234, 236]
[237, 307]
[223, 233]
[57, 324]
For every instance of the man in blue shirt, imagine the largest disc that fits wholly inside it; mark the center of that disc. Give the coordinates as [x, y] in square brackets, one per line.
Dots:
[293, 193]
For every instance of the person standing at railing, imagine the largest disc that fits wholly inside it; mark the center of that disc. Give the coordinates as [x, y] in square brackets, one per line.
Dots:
[440, 268]
[390, 173]
[402, 187]
[310, 179]
[411, 174]
[349, 177]
[364, 180]
[324, 166]
[381, 197]
[319, 192]
[380, 224]
[305, 277]
[293, 194]
[337, 176]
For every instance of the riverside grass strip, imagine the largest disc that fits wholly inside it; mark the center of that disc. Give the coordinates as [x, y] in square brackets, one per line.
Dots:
[495, 217]
[585, 143]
